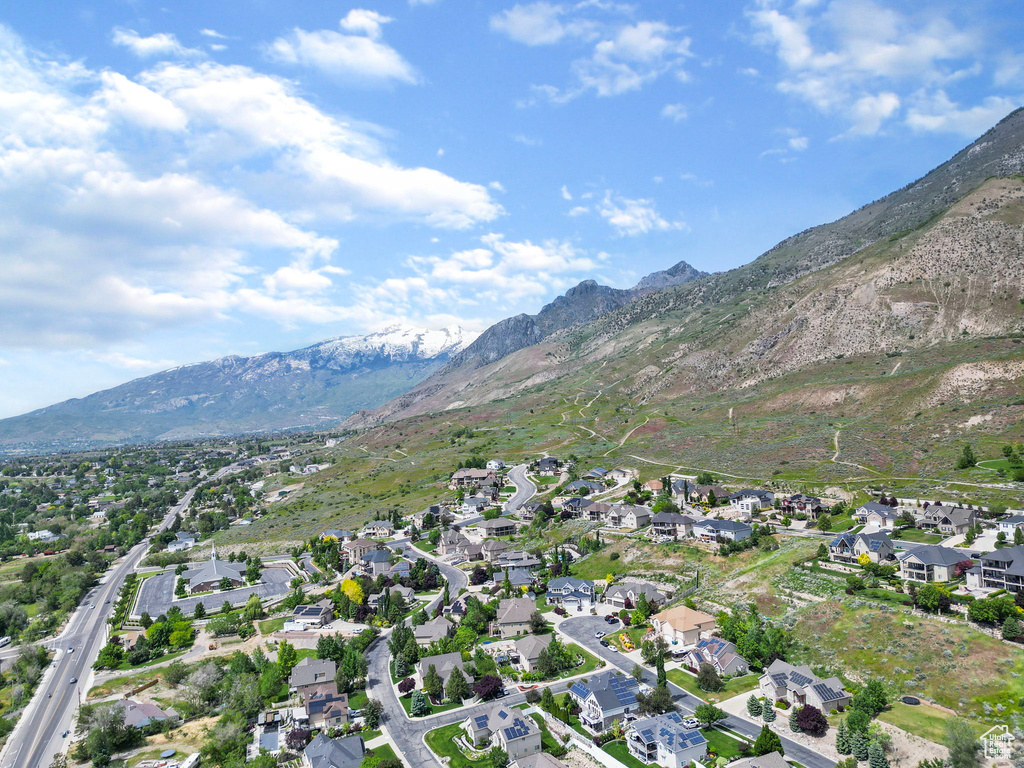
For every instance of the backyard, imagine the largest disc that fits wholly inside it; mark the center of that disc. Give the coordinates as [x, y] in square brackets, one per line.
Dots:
[733, 686]
[442, 743]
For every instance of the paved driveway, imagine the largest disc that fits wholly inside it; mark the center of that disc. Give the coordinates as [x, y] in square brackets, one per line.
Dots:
[156, 595]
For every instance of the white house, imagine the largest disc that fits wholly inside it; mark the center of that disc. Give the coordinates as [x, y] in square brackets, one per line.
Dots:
[665, 741]
[1009, 525]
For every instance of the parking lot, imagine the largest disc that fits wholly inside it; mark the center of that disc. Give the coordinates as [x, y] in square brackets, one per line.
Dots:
[156, 594]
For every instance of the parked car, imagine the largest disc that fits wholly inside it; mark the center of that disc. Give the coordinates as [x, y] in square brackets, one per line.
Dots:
[605, 643]
[692, 723]
[611, 619]
[599, 634]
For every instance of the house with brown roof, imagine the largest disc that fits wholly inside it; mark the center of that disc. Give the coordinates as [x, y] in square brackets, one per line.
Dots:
[682, 625]
[325, 707]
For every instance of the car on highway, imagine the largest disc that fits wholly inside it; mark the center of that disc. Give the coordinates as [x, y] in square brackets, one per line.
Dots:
[692, 723]
[106, 602]
[74, 680]
[71, 650]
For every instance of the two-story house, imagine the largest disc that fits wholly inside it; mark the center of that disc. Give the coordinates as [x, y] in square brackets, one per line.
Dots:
[507, 728]
[880, 515]
[799, 686]
[848, 547]
[571, 593]
[664, 740]
[682, 625]
[604, 698]
[721, 530]
[951, 521]
[720, 654]
[752, 500]
[310, 673]
[929, 563]
[674, 524]
[513, 617]
[1004, 569]
[625, 594]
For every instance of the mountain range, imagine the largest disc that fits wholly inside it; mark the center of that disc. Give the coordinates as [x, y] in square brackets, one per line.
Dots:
[308, 388]
[923, 274]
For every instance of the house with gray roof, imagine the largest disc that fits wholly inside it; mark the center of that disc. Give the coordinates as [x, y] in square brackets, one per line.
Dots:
[665, 741]
[324, 752]
[310, 673]
[604, 698]
[721, 530]
[513, 617]
[948, 520]
[317, 615]
[529, 648]
[502, 526]
[432, 631]
[929, 563]
[874, 513]
[508, 728]
[618, 594]
[208, 575]
[752, 500]
[375, 562]
[674, 524]
[139, 714]
[848, 547]
[570, 592]
[720, 654]
[518, 577]
[1004, 569]
[1010, 524]
[799, 686]
[444, 663]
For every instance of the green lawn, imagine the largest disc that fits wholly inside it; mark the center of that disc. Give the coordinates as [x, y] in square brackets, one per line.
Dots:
[620, 752]
[922, 720]
[383, 752]
[842, 524]
[442, 743]
[434, 708]
[358, 699]
[270, 626]
[590, 661]
[722, 743]
[734, 686]
[917, 535]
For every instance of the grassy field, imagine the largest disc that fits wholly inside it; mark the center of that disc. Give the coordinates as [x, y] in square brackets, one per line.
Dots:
[734, 686]
[434, 708]
[921, 720]
[382, 752]
[270, 626]
[634, 633]
[441, 742]
[954, 665]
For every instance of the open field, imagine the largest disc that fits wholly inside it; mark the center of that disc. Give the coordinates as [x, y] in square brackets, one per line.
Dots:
[733, 686]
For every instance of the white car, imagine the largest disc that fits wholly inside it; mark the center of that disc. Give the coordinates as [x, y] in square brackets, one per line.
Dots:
[71, 650]
[599, 635]
[692, 723]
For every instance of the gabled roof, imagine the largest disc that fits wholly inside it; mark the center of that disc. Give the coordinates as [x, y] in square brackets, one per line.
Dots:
[674, 518]
[723, 525]
[762, 495]
[310, 671]
[610, 690]
[668, 731]
[511, 723]
[683, 618]
[874, 506]
[376, 556]
[1013, 520]
[931, 554]
[623, 588]
[530, 646]
[323, 752]
[571, 582]
[1013, 557]
[515, 610]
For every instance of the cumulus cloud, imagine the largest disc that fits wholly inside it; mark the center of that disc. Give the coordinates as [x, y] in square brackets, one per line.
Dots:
[937, 112]
[634, 217]
[356, 55]
[104, 242]
[675, 112]
[161, 44]
[857, 58]
[621, 55]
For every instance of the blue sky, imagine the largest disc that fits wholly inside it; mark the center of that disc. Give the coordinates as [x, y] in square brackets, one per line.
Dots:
[184, 181]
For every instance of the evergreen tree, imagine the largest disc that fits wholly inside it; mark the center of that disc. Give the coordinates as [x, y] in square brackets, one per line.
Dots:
[859, 745]
[768, 712]
[793, 725]
[433, 684]
[707, 677]
[876, 756]
[1018, 536]
[1011, 627]
[200, 611]
[419, 706]
[842, 739]
[659, 667]
[754, 706]
[457, 688]
[767, 741]
[547, 700]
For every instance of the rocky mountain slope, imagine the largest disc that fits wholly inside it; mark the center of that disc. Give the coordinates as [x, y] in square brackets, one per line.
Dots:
[939, 262]
[310, 387]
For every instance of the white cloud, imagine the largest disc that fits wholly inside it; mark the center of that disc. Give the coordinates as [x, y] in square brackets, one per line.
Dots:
[532, 24]
[634, 217]
[122, 360]
[936, 112]
[675, 112]
[579, 210]
[337, 171]
[621, 56]
[138, 104]
[212, 33]
[161, 44]
[854, 58]
[357, 57]
[104, 241]
[1010, 70]
[566, 194]
[798, 143]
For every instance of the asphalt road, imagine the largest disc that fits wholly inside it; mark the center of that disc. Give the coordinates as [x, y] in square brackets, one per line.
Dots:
[37, 737]
[525, 489]
[156, 595]
[583, 630]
